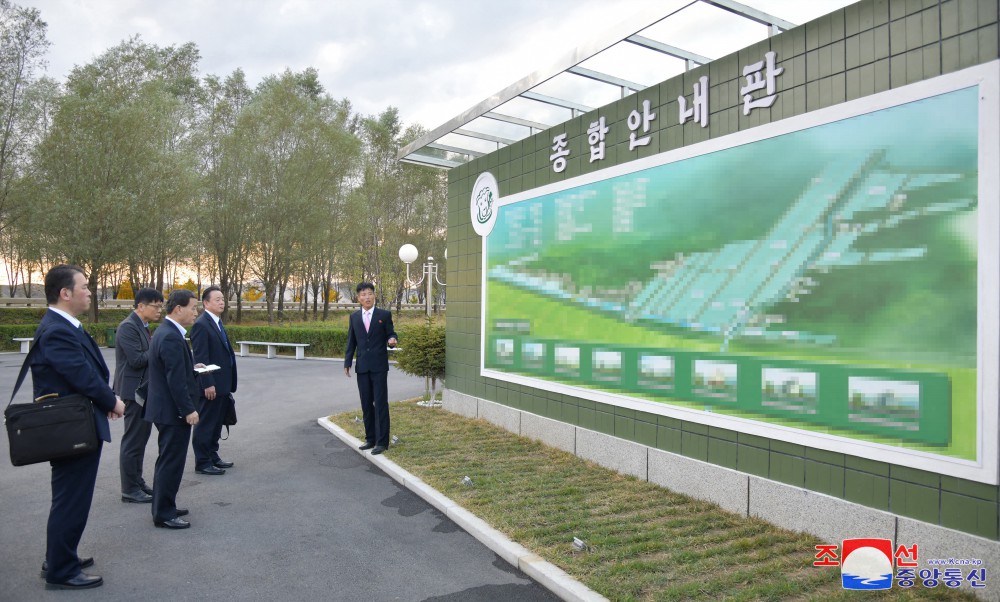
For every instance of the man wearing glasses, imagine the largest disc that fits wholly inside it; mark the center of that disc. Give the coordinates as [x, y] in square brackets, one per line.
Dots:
[131, 348]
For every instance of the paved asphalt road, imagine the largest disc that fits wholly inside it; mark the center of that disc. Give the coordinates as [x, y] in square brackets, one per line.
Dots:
[300, 517]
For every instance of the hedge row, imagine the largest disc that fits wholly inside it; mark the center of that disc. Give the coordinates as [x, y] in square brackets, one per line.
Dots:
[33, 315]
[322, 343]
[8, 331]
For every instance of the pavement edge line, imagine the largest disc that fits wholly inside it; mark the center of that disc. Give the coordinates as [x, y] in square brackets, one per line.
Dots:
[542, 571]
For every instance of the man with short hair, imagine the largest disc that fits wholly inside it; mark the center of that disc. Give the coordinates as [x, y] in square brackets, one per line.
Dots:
[369, 332]
[210, 344]
[68, 361]
[170, 405]
[131, 360]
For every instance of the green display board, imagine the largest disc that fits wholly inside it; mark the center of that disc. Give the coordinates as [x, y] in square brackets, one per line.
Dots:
[820, 280]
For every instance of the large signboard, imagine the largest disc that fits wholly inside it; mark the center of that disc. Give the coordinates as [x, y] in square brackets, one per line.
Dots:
[828, 280]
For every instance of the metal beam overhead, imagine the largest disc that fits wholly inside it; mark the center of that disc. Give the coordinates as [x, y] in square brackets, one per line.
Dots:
[749, 12]
[677, 53]
[429, 161]
[605, 78]
[537, 125]
[608, 38]
[456, 149]
[482, 136]
[558, 102]
[628, 31]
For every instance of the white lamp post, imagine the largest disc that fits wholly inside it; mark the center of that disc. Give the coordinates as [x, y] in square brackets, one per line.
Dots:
[408, 254]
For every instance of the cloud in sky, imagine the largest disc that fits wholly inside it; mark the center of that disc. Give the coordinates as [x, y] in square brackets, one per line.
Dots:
[432, 59]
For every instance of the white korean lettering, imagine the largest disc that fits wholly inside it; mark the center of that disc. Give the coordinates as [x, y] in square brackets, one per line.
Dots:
[635, 120]
[757, 81]
[699, 105]
[595, 136]
[560, 152]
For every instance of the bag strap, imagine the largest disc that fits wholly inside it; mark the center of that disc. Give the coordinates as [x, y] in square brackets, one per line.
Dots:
[27, 364]
[24, 371]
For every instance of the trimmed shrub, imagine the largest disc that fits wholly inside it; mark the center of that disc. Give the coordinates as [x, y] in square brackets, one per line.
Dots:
[322, 342]
[422, 352]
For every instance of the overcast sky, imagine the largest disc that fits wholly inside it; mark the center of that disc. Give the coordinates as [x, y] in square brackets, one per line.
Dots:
[431, 59]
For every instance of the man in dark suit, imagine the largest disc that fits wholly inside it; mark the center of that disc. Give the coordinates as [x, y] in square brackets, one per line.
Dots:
[369, 331]
[131, 348]
[211, 346]
[170, 405]
[69, 361]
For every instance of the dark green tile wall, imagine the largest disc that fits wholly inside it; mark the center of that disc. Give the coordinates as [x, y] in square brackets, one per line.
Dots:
[865, 48]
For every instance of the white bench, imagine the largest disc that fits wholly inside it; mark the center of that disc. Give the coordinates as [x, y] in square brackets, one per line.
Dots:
[272, 348]
[25, 343]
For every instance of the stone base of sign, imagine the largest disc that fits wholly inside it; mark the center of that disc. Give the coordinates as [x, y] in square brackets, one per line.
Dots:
[727, 488]
[617, 454]
[503, 416]
[945, 544]
[828, 518]
[550, 432]
[460, 403]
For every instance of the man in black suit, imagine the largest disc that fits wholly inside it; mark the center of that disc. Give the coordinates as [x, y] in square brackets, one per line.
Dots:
[211, 346]
[69, 361]
[369, 331]
[131, 348]
[170, 405]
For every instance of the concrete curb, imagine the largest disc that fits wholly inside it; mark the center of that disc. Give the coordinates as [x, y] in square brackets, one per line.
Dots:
[545, 573]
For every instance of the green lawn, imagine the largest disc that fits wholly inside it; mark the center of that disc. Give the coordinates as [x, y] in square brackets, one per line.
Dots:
[646, 543]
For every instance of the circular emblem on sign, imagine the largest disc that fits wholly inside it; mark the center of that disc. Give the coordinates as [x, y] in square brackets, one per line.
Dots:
[485, 199]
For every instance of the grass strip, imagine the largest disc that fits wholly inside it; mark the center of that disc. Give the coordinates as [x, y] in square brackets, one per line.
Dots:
[645, 542]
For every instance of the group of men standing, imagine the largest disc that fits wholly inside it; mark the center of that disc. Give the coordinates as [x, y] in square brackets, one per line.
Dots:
[155, 384]
[155, 376]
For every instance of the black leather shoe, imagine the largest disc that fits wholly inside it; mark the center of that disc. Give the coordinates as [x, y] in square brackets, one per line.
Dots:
[210, 470]
[174, 523]
[139, 497]
[84, 563]
[81, 581]
[182, 511]
[366, 446]
[146, 489]
[378, 450]
[222, 464]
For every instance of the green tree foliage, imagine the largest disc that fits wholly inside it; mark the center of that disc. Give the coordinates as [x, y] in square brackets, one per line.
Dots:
[25, 104]
[301, 153]
[224, 221]
[22, 50]
[421, 353]
[140, 172]
[392, 203]
[114, 182]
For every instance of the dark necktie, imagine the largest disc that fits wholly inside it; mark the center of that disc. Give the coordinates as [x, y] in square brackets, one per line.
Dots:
[223, 331]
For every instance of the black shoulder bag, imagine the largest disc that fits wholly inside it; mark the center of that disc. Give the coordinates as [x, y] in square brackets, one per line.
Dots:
[51, 428]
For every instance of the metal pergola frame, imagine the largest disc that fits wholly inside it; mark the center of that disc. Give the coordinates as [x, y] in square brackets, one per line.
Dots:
[457, 153]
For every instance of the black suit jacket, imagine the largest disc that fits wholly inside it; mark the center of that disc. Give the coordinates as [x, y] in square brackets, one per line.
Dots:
[131, 355]
[69, 361]
[210, 348]
[173, 388]
[370, 346]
